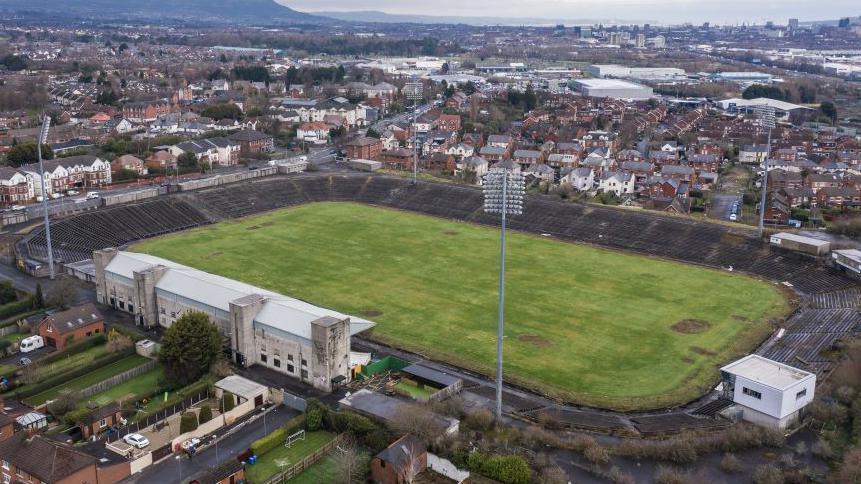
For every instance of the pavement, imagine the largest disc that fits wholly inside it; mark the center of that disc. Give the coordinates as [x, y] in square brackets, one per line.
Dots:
[721, 205]
[173, 470]
[27, 283]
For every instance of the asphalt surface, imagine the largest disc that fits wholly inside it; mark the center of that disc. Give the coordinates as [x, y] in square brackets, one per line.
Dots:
[27, 283]
[169, 470]
[721, 205]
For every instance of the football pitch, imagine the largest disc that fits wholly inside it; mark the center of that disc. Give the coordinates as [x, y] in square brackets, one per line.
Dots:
[588, 325]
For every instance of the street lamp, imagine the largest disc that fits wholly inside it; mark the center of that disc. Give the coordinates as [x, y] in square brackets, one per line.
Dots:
[766, 120]
[179, 466]
[415, 92]
[43, 139]
[503, 194]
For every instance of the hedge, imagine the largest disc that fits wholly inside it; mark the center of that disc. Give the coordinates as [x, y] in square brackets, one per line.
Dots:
[52, 381]
[510, 469]
[187, 422]
[78, 347]
[269, 442]
[228, 403]
[205, 414]
[18, 317]
[16, 307]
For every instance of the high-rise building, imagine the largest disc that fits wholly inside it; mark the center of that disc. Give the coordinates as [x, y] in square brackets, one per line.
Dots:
[793, 24]
[640, 41]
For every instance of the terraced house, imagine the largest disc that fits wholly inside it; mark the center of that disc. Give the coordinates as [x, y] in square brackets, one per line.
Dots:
[63, 174]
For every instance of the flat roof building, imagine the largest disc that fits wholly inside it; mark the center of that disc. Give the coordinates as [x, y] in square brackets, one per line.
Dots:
[613, 88]
[766, 392]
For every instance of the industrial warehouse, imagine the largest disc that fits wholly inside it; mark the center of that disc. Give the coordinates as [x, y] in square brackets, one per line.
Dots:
[264, 328]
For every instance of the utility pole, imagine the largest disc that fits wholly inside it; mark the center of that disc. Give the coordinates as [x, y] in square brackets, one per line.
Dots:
[766, 120]
[415, 92]
[503, 194]
[43, 139]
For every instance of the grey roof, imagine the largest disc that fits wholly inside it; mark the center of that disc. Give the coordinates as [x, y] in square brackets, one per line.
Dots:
[527, 154]
[676, 170]
[249, 135]
[492, 150]
[431, 375]
[241, 387]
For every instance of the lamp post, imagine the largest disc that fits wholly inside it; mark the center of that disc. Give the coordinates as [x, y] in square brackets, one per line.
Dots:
[43, 138]
[503, 194]
[766, 120]
[179, 466]
[415, 92]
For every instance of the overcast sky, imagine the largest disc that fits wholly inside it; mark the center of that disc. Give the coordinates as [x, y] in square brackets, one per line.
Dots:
[663, 11]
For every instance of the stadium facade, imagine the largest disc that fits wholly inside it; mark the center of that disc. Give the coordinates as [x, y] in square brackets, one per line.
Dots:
[290, 336]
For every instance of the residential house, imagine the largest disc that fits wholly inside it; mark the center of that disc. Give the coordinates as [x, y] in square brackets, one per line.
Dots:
[642, 170]
[843, 197]
[63, 174]
[448, 122]
[145, 111]
[471, 166]
[527, 158]
[799, 197]
[399, 158]
[561, 160]
[401, 462]
[100, 420]
[493, 152]
[540, 172]
[363, 147]
[118, 126]
[316, 133]
[15, 187]
[441, 162]
[617, 182]
[661, 187]
[252, 141]
[500, 141]
[679, 172]
[581, 179]
[461, 150]
[31, 459]
[508, 165]
[601, 139]
[161, 160]
[818, 181]
[777, 208]
[72, 325]
[129, 163]
[704, 163]
[778, 179]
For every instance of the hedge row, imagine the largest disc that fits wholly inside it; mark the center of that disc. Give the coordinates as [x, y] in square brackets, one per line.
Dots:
[16, 307]
[278, 436]
[509, 469]
[74, 348]
[12, 321]
[52, 381]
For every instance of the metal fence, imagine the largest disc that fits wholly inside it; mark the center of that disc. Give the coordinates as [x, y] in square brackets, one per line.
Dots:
[117, 379]
[300, 467]
[156, 418]
[294, 401]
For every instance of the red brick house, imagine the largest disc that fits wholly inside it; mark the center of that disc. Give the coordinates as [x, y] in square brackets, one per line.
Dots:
[145, 111]
[448, 122]
[60, 329]
[400, 462]
[399, 158]
[161, 160]
[130, 163]
[839, 197]
[253, 141]
[363, 147]
[40, 459]
[100, 420]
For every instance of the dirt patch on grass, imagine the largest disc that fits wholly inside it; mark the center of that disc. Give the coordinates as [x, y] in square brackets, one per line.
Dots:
[701, 351]
[215, 254]
[450, 232]
[687, 360]
[267, 224]
[370, 313]
[739, 317]
[253, 227]
[691, 326]
[535, 340]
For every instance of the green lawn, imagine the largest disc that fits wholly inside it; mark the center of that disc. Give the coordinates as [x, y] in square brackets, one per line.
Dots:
[133, 389]
[325, 470]
[266, 467]
[414, 391]
[585, 324]
[89, 379]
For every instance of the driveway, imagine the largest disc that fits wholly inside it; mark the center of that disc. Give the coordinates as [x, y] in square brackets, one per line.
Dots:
[721, 205]
[170, 470]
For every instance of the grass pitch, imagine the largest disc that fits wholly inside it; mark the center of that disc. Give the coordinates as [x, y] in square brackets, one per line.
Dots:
[594, 326]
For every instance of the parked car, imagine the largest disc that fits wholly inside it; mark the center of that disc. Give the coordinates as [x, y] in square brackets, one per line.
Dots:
[31, 343]
[16, 208]
[136, 440]
[56, 195]
[24, 361]
[92, 195]
[72, 193]
[733, 217]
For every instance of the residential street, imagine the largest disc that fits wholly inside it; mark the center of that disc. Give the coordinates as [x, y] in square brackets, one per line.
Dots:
[168, 471]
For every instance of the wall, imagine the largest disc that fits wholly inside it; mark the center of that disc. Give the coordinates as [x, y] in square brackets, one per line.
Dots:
[228, 178]
[141, 463]
[216, 423]
[111, 199]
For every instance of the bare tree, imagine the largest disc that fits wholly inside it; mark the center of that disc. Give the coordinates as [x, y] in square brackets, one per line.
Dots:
[416, 420]
[63, 292]
[413, 464]
[352, 465]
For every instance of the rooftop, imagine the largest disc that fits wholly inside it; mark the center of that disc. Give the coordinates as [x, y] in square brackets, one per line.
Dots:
[768, 372]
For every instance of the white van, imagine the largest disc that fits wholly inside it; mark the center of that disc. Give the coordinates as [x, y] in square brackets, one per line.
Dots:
[92, 195]
[31, 343]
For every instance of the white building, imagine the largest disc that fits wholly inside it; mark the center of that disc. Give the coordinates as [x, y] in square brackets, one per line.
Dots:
[766, 392]
[581, 179]
[644, 73]
[614, 88]
[618, 183]
[782, 109]
[290, 336]
[848, 260]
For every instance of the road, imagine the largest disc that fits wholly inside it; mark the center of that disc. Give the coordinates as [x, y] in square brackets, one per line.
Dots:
[168, 471]
[721, 205]
[405, 116]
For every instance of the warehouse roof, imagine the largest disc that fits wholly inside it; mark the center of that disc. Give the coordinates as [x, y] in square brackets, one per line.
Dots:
[767, 372]
[278, 311]
[609, 84]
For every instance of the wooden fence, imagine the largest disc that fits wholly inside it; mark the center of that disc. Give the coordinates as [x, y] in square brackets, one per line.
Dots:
[307, 462]
[117, 379]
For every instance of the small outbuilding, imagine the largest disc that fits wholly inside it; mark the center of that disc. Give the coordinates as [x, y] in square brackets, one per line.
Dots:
[767, 392]
[800, 243]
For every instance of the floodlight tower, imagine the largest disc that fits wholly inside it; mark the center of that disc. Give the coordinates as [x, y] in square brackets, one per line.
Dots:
[415, 93]
[43, 139]
[503, 194]
[766, 120]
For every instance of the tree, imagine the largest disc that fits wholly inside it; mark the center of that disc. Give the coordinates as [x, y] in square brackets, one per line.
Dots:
[39, 299]
[118, 342]
[107, 97]
[189, 347]
[223, 111]
[416, 420]
[351, 463]
[187, 160]
[24, 153]
[205, 414]
[760, 90]
[530, 100]
[829, 109]
[469, 88]
[7, 292]
[62, 293]
[228, 403]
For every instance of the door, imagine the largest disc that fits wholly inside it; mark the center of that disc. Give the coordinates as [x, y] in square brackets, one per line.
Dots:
[258, 400]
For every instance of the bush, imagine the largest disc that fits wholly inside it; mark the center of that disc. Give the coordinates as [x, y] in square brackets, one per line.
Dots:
[269, 442]
[481, 420]
[76, 416]
[16, 307]
[730, 463]
[668, 475]
[66, 401]
[187, 422]
[767, 474]
[205, 414]
[314, 413]
[56, 379]
[597, 454]
[509, 469]
[228, 403]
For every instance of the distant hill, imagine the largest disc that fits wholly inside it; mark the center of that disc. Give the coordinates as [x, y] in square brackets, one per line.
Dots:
[375, 16]
[243, 11]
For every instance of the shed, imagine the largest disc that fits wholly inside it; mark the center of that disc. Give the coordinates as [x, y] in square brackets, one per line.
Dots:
[242, 388]
[800, 243]
[386, 408]
[448, 384]
[365, 165]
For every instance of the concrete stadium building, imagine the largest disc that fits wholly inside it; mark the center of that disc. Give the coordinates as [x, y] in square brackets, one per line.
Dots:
[298, 339]
[613, 88]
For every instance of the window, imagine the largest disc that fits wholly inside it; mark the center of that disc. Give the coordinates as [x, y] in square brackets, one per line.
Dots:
[276, 362]
[173, 314]
[752, 393]
[161, 310]
[6, 465]
[801, 394]
[89, 333]
[49, 328]
[304, 362]
[291, 368]
[304, 374]
[289, 357]
[131, 308]
[122, 304]
[103, 423]
[263, 357]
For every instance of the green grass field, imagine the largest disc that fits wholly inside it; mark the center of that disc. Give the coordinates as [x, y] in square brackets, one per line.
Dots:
[138, 387]
[594, 326]
[267, 465]
[87, 380]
